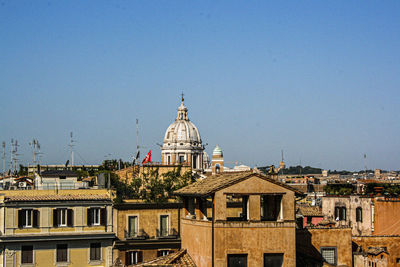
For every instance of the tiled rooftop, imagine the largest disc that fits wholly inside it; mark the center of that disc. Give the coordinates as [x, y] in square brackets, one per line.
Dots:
[310, 211]
[56, 197]
[217, 182]
[179, 259]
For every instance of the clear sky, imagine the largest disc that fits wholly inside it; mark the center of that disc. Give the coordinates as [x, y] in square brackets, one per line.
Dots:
[318, 79]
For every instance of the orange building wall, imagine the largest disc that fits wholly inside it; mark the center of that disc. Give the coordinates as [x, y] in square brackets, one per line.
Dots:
[392, 244]
[387, 217]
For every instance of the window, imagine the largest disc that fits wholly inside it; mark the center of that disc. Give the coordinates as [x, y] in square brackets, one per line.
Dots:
[237, 207]
[164, 225]
[359, 214]
[28, 218]
[63, 217]
[95, 251]
[132, 226]
[273, 260]
[96, 216]
[271, 207]
[194, 162]
[133, 257]
[237, 260]
[340, 213]
[217, 168]
[163, 252]
[26, 254]
[329, 255]
[62, 253]
[181, 159]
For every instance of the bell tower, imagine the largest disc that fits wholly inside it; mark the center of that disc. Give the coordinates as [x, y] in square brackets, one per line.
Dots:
[217, 161]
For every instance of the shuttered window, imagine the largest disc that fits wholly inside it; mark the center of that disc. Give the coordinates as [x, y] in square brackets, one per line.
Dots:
[62, 253]
[63, 217]
[28, 218]
[164, 225]
[133, 257]
[132, 222]
[26, 254]
[96, 216]
[95, 251]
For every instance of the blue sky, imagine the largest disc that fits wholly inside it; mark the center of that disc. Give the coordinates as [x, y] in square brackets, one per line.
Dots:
[318, 79]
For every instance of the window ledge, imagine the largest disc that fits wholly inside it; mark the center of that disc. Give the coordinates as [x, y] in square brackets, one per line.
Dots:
[95, 262]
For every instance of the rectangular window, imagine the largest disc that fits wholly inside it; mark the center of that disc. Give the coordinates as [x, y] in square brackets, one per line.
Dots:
[273, 260]
[96, 216]
[163, 252]
[26, 254]
[133, 226]
[28, 218]
[237, 207]
[181, 159]
[358, 214]
[271, 207]
[340, 213]
[133, 257]
[95, 251]
[164, 225]
[62, 213]
[237, 260]
[329, 255]
[62, 253]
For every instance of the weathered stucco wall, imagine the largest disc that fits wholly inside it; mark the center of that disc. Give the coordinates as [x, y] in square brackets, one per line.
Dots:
[387, 217]
[309, 242]
[197, 239]
[392, 244]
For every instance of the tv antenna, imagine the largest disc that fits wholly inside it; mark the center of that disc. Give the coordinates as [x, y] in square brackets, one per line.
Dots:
[71, 146]
[3, 157]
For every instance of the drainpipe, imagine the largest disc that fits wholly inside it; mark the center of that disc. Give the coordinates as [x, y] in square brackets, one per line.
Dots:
[212, 230]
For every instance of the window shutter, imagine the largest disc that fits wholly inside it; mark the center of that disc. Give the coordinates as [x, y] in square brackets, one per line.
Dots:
[89, 216]
[103, 216]
[20, 218]
[128, 258]
[70, 217]
[140, 256]
[36, 218]
[55, 218]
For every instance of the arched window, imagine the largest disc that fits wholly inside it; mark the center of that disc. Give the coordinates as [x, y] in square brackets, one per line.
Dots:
[217, 168]
[359, 214]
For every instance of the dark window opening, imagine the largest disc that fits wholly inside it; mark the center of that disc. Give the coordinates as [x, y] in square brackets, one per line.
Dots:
[271, 207]
[95, 251]
[340, 213]
[237, 207]
[237, 260]
[217, 168]
[27, 254]
[164, 225]
[194, 162]
[62, 253]
[133, 257]
[359, 214]
[273, 260]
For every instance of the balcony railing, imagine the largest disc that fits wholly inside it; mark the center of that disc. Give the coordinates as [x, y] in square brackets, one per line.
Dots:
[141, 234]
[167, 233]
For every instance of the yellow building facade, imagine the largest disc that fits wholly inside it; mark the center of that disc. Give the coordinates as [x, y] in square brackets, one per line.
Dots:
[56, 228]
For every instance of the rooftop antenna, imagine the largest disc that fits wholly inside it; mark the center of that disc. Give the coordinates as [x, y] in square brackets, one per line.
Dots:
[3, 156]
[365, 165]
[282, 154]
[71, 145]
[14, 155]
[136, 159]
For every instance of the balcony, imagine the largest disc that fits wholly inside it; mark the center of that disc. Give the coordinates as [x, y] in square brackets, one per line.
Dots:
[140, 235]
[167, 233]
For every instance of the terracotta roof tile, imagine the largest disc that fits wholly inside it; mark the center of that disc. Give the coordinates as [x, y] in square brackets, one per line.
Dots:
[311, 211]
[56, 197]
[180, 258]
[214, 183]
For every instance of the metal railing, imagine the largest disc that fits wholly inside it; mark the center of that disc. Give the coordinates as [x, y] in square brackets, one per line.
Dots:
[141, 234]
[167, 233]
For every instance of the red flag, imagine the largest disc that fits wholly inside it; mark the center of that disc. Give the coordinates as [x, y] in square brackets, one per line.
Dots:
[147, 158]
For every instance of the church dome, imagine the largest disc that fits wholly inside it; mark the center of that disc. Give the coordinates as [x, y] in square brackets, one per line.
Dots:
[182, 131]
[217, 151]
